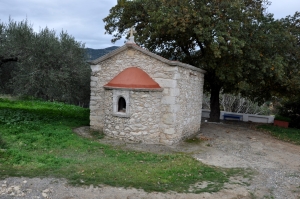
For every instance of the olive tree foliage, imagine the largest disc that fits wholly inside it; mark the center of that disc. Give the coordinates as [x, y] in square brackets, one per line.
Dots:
[241, 47]
[238, 104]
[43, 65]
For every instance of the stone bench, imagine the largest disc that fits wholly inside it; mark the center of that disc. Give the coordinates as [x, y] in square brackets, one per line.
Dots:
[240, 117]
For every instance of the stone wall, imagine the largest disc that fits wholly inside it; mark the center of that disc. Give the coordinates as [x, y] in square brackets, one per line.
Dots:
[143, 123]
[180, 105]
[108, 69]
[190, 98]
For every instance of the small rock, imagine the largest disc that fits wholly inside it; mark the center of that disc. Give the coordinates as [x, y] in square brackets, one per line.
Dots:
[28, 190]
[46, 191]
[44, 195]
[9, 190]
[16, 188]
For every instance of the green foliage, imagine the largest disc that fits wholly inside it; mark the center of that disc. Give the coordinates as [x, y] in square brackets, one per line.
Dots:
[238, 104]
[43, 65]
[40, 143]
[291, 108]
[193, 140]
[282, 118]
[286, 134]
[242, 48]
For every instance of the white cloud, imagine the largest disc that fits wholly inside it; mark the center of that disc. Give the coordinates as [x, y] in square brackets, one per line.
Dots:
[283, 8]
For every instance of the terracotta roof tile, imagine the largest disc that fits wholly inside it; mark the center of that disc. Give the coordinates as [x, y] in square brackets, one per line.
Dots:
[134, 78]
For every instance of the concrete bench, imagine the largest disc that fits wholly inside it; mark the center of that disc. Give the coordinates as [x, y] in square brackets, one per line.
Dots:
[240, 117]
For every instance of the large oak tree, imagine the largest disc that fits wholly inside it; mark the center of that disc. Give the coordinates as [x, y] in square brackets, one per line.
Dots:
[242, 48]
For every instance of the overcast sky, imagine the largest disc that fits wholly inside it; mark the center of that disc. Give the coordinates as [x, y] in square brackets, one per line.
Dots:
[83, 18]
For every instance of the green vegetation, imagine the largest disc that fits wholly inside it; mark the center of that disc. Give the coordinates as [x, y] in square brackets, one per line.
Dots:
[241, 46]
[291, 108]
[37, 141]
[43, 64]
[282, 118]
[193, 140]
[286, 134]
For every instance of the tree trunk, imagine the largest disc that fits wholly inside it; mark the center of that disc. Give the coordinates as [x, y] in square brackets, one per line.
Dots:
[215, 104]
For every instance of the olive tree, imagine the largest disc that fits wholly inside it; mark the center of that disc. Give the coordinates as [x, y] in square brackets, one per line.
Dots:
[44, 65]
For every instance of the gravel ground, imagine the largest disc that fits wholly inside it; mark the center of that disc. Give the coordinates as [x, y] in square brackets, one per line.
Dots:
[276, 167]
[276, 163]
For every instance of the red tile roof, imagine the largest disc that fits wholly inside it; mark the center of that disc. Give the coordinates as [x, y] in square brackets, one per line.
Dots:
[134, 78]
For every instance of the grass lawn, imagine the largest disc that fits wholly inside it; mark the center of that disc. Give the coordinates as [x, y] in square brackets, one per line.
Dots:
[36, 140]
[286, 134]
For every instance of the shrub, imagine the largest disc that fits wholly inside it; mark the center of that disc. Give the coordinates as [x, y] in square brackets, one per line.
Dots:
[291, 109]
[282, 118]
[237, 104]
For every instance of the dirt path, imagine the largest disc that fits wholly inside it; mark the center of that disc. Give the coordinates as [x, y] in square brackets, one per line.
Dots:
[276, 165]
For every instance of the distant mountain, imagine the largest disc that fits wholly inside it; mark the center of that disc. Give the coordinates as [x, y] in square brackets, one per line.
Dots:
[93, 54]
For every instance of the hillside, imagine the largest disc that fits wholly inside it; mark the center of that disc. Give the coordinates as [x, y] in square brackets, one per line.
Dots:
[96, 53]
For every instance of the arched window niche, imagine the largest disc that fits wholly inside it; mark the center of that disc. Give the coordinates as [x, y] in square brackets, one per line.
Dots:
[121, 103]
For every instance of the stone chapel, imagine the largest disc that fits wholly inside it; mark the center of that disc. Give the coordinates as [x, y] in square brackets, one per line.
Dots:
[139, 96]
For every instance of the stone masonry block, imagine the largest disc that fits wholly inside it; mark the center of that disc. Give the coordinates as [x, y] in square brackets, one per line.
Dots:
[93, 84]
[174, 92]
[177, 76]
[95, 68]
[168, 118]
[96, 98]
[174, 108]
[94, 89]
[92, 102]
[93, 78]
[168, 100]
[170, 68]
[169, 131]
[94, 109]
[161, 75]
[166, 91]
[96, 125]
[94, 118]
[169, 83]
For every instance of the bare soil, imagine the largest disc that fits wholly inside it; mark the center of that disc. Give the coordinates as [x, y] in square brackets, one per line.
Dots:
[275, 165]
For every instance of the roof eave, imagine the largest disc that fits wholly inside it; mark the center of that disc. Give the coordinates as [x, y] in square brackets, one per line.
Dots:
[133, 89]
